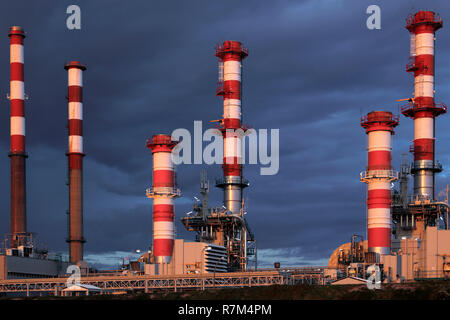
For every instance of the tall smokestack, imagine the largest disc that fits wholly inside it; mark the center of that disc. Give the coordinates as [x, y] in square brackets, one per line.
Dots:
[423, 108]
[17, 152]
[230, 55]
[379, 127]
[163, 192]
[75, 155]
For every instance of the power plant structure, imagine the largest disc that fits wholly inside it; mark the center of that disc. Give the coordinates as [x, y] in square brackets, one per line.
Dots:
[75, 156]
[163, 192]
[423, 209]
[408, 236]
[378, 176]
[19, 236]
[220, 229]
[218, 226]
[230, 55]
[418, 244]
[226, 226]
[20, 256]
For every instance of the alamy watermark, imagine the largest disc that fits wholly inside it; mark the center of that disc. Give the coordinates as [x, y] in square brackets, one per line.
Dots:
[75, 275]
[73, 22]
[374, 277]
[374, 20]
[190, 149]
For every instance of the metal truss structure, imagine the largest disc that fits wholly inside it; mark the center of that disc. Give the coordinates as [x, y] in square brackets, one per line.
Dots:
[148, 283]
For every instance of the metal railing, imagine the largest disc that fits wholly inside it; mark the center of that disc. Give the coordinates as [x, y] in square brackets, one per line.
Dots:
[423, 18]
[174, 192]
[380, 117]
[148, 283]
[160, 139]
[370, 174]
[221, 49]
[437, 166]
[439, 107]
[232, 180]
[419, 198]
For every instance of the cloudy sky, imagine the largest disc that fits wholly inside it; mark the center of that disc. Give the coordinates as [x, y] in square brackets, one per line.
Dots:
[313, 69]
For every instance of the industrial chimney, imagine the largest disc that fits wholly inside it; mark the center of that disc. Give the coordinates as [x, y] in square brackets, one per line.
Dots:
[163, 192]
[230, 55]
[423, 109]
[75, 156]
[379, 127]
[17, 152]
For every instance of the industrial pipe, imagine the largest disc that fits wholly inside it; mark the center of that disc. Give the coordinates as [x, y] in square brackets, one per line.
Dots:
[75, 155]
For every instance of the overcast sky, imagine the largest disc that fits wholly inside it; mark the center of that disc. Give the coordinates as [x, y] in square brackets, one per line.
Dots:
[313, 69]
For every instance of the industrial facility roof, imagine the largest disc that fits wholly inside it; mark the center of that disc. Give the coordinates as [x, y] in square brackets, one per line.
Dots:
[82, 287]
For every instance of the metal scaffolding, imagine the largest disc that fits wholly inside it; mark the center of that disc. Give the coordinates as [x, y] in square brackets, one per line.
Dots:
[223, 228]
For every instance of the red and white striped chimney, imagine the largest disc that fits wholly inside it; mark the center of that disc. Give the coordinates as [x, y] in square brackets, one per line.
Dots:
[17, 152]
[423, 109]
[230, 55]
[75, 155]
[163, 192]
[378, 176]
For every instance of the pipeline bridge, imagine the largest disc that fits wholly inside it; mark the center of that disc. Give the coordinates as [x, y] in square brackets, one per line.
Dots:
[145, 283]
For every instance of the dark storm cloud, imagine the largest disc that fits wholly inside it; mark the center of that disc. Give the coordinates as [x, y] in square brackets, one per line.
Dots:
[313, 70]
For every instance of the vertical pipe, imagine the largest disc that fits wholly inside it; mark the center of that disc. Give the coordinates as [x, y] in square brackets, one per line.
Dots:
[422, 27]
[17, 152]
[163, 192]
[230, 55]
[378, 176]
[75, 156]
